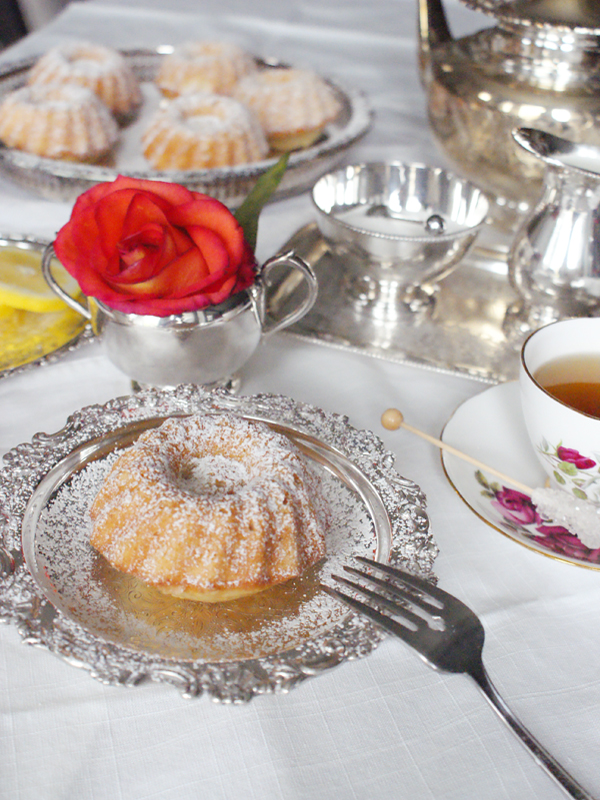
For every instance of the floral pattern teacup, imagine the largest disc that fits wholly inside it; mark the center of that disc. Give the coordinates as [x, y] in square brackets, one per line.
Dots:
[566, 441]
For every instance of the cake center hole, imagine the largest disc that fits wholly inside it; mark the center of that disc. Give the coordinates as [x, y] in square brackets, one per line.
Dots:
[212, 475]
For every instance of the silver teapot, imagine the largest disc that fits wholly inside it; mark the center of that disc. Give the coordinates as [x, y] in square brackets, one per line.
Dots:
[538, 67]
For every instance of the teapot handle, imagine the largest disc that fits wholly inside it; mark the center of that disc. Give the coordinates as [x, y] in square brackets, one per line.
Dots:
[47, 273]
[282, 290]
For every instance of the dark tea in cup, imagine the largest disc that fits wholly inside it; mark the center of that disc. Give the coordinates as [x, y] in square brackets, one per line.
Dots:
[574, 380]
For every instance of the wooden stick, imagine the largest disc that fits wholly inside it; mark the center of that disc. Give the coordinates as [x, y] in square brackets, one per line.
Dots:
[392, 419]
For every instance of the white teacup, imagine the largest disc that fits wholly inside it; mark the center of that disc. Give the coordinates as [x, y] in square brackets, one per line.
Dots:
[566, 440]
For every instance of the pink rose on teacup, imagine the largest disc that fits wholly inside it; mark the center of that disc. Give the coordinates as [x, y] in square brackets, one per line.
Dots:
[515, 506]
[572, 456]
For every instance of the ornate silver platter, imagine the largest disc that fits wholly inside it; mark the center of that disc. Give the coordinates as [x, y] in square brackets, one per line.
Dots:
[64, 596]
[30, 339]
[62, 180]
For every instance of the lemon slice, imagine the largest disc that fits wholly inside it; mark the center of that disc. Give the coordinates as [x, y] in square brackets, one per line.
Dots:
[23, 286]
[6, 311]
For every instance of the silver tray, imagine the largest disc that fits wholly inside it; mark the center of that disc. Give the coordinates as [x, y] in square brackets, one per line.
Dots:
[62, 180]
[65, 597]
[468, 330]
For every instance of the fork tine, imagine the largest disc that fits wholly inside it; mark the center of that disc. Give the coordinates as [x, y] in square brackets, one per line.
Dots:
[385, 622]
[416, 582]
[405, 593]
[413, 619]
[457, 649]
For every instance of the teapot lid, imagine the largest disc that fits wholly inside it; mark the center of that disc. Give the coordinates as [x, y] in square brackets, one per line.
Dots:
[580, 15]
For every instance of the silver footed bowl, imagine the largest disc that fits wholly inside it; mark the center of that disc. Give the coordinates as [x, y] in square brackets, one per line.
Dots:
[399, 227]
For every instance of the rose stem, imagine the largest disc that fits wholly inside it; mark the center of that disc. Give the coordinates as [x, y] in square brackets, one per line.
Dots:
[392, 419]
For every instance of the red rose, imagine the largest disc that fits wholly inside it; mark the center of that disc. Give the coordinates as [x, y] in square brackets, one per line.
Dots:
[149, 247]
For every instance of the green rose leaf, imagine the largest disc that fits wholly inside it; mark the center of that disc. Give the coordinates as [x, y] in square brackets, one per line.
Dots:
[580, 493]
[567, 468]
[559, 478]
[248, 213]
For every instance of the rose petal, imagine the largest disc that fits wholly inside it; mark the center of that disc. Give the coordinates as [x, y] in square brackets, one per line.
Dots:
[173, 193]
[140, 256]
[112, 211]
[210, 213]
[143, 211]
[75, 238]
[175, 280]
[212, 247]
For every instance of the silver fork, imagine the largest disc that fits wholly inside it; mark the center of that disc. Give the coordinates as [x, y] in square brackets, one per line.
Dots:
[447, 635]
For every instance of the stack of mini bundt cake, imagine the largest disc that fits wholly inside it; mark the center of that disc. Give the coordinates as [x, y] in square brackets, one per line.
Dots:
[219, 107]
[70, 107]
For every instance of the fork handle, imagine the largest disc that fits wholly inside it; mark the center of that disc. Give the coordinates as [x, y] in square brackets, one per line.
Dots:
[566, 781]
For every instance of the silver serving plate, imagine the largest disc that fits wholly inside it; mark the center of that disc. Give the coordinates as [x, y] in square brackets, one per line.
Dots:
[471, 326]
[62, 180]
[65, 597]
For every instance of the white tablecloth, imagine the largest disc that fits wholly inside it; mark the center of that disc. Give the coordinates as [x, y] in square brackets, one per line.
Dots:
[382, 727]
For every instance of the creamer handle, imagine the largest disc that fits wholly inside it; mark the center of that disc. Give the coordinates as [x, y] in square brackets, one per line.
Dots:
[47, 273]
[303, 273]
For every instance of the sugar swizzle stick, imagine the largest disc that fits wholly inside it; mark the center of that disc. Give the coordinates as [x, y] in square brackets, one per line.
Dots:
[580, 517]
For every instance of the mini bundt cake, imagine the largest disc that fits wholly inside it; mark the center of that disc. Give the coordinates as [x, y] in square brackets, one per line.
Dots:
[99, 68]
[57, 121]
[209, 508]
[199, 131]
[203, 67]
[292, 105]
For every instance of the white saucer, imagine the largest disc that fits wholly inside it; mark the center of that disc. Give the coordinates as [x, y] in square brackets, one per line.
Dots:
[490, 428]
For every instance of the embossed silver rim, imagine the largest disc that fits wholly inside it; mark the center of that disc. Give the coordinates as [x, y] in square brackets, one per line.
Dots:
[22, 600]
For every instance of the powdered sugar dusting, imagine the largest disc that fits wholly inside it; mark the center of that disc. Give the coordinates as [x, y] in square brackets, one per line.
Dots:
[101, 69]
[288, 100]
[119, 607]
[214, 476]
[254, 527]
[65, 597]
[203, 130]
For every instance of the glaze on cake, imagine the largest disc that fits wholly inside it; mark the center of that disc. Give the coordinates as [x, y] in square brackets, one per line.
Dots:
[209, 508]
